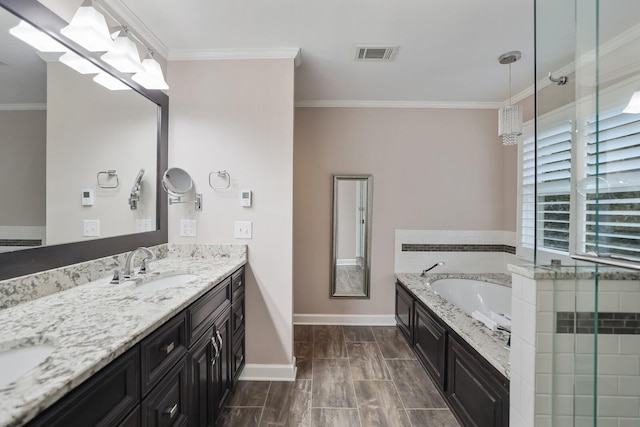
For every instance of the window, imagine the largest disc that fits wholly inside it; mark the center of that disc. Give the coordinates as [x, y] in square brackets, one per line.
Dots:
[553, 185]
[607, 206]
[612, 205]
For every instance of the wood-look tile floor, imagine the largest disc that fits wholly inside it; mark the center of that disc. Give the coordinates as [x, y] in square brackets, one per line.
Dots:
[347, 376]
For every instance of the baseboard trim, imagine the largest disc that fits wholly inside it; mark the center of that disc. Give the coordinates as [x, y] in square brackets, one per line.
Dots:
[269, 372]
[345, 319]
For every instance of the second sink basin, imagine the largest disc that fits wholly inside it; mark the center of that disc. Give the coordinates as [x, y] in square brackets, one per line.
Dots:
[17, 361]
[165, 283]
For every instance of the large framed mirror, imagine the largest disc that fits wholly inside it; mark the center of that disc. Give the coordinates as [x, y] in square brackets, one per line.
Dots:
[74, 153]
[351, 237]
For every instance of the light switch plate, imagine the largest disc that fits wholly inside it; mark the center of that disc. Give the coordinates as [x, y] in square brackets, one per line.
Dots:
[143, 225]
[243, 230]
[91, 228]
[188, 228]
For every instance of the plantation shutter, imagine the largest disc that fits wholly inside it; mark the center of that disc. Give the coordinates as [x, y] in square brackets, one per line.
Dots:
[613, 162]
[554, 188]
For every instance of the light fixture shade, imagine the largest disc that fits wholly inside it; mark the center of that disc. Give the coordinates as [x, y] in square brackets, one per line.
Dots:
[510, 124]
[151, 77]
[124, 56]
[88, 28]
[110, 82]
[36, 38]
[78, 63]
[633, 107]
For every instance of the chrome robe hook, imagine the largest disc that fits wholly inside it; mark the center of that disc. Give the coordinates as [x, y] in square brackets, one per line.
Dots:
[560, 81]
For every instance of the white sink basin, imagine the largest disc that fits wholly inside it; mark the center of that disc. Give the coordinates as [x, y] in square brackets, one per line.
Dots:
[15, 362]
[165, 283]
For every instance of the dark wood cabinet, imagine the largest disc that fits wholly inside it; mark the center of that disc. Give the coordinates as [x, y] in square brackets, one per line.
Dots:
[478, 396]
[181, 374]
[476, 392]
[404, 311]
[430, 343]
[105, 399]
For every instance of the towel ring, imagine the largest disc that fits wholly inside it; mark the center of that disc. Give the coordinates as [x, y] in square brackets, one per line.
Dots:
[106, 176]
[221, 174]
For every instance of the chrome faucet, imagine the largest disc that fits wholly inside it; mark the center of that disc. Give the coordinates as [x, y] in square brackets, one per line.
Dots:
[122, 276]
[432, 267]
[144, 268]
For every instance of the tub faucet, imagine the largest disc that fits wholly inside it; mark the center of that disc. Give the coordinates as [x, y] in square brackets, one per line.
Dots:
[129, 261]
[432, 267]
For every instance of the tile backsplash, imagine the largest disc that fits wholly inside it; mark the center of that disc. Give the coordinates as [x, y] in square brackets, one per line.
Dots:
[462, 251]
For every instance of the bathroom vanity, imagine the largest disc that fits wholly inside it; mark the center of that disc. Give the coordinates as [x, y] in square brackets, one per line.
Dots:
[467, 362]
[129, 354]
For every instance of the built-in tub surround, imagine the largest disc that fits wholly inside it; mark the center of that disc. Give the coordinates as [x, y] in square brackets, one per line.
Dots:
[94, 323]
[488, 344]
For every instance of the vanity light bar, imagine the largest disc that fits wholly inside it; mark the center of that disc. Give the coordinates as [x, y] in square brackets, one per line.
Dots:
[36, 38]
[110, 82]
[79, 64]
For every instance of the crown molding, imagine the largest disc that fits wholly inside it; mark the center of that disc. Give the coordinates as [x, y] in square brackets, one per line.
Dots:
[217, 54]
[23, 107]
[401, 104]
[137, 26]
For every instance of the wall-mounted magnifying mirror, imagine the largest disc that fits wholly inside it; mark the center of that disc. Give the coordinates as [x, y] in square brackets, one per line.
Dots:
[177, 183]
[352, 214]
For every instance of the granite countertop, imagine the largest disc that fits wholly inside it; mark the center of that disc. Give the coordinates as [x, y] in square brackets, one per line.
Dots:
[91, 325]
[571, 272]
[486, 342]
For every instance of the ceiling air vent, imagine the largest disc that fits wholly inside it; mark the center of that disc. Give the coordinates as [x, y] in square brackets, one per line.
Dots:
[375, 53]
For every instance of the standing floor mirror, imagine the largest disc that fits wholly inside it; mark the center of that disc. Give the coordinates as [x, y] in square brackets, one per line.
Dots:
[351, 237]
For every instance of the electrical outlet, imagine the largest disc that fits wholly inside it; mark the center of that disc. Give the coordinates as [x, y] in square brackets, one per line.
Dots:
[91, 228]
[143, 225]
[243, 230]
[188, 228]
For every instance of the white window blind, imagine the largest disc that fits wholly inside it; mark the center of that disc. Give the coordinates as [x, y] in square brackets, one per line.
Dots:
[553, 186]
[612, 213]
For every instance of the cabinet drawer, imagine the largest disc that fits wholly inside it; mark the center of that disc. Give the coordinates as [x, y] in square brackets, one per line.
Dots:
[202, 313]
[237, 317]
[161, 350]
[237, 283]
[168, 405]
[105, 400]
[237, 358]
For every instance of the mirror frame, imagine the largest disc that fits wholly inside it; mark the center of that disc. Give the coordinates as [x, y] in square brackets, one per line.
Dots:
[367, 235]
[27, 261]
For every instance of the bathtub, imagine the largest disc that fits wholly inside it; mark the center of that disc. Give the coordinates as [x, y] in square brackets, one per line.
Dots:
[474, 295]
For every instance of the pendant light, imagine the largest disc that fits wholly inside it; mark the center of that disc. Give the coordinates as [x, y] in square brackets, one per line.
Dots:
[510, 116]
[88, 28]
[151, 77]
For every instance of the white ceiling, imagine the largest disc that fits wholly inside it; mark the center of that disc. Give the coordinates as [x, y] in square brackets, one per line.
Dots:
[448, 52]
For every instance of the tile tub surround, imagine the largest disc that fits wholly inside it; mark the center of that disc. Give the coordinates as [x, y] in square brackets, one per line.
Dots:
[462, 251]
[91, 325]
[489, 344]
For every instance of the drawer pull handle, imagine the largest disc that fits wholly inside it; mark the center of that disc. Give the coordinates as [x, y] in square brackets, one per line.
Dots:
[171, 411]
[168, 348]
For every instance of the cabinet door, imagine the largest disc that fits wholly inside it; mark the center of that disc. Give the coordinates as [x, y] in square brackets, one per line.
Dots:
[200, 359]
[478, 396]
[404, 312]
[222, 366]
[430, 344]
